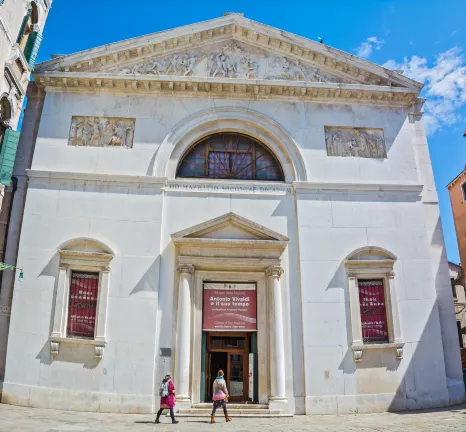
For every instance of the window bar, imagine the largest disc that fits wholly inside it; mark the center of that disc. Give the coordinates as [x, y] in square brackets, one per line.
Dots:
[373, 311]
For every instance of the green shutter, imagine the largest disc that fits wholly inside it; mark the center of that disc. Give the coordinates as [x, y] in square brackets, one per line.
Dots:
[24, 24]
[32, 48]
[8, 155]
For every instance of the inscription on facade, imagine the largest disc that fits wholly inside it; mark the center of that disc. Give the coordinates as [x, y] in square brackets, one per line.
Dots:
[355, 142]
[226, 188]
[101, 132]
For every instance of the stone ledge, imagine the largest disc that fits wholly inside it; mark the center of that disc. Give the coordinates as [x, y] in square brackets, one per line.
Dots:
[358, 349]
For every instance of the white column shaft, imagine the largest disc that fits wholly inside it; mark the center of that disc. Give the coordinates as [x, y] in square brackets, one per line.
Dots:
[278, 385]
[183, 345]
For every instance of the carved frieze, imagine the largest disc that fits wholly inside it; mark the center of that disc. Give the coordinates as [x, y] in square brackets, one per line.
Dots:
[101, 132]
[233, 60]
[355, 142]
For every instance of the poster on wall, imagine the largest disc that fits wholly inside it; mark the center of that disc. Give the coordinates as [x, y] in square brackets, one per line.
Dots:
[229, 307]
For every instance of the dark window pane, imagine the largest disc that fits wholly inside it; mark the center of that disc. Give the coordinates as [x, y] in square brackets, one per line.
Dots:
[230, 156]
[82, 306]
[373, 313]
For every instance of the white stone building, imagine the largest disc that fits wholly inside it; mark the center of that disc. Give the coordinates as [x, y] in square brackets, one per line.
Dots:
[229, 195]
[21, 26]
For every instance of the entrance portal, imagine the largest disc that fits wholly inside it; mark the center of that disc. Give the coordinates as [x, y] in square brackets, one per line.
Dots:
[230, 353]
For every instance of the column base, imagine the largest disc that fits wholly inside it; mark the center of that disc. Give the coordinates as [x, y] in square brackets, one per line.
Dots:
[182, 402]
[279, 403]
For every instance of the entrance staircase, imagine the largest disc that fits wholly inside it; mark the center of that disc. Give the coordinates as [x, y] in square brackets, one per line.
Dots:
[234, 410]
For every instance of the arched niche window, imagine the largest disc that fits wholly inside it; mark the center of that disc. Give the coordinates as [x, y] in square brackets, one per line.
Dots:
[27, 27]
[373, 301]
[29, 37]
[82, 291]
[230, 156]
[463, 189]
[5, 116]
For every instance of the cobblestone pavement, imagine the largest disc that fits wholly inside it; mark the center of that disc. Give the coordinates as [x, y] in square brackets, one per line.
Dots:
[14, 419]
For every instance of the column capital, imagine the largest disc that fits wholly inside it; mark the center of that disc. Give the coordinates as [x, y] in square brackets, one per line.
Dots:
[274, 271]
[391, 275]
[185, 268]
[352, 275]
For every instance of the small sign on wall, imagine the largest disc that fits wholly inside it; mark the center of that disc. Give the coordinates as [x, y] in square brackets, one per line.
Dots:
[229, 307]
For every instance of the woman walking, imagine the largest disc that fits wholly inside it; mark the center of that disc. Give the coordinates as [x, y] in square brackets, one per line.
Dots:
[220, 396]
[167, 398]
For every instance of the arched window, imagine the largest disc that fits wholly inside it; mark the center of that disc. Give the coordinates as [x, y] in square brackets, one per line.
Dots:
[82, 292]
[30, 19]
[373, 302]
[463, 188]
[5, 115]
[230, 156]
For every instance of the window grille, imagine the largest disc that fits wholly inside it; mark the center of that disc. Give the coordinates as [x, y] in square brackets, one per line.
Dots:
[373, 311]
[230, 156]
[82, 305]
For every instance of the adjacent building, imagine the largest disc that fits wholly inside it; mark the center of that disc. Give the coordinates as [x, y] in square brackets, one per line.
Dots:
[21, 26]
[228, 195]
[459, 297]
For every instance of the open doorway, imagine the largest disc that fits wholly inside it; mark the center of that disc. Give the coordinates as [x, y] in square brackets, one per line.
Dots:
[230, 353]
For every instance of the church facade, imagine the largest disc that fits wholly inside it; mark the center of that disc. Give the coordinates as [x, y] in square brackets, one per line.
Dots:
[228, 195]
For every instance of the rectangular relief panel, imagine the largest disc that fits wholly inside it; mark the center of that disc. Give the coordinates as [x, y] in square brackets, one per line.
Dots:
[102, 132]
[355, 142]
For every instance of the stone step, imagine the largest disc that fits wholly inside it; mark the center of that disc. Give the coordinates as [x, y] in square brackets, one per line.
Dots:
[231, 406]
[232, 413]
[230, 410]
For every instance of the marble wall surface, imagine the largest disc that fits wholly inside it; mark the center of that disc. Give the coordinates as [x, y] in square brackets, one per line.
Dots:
[113, 197]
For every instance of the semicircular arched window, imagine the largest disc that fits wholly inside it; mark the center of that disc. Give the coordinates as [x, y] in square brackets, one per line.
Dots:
[230, 156]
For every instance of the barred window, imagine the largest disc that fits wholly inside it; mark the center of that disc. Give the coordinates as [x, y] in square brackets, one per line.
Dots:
[230, 156]
[82, 304]
[373, 311]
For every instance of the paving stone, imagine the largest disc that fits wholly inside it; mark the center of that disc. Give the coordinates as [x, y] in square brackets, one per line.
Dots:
[19, 419]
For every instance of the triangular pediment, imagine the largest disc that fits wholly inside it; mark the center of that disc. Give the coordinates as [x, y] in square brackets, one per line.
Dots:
[229, 227]
[231, 48]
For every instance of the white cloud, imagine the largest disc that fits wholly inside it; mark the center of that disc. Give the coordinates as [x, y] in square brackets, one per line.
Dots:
[368, 46]
[445, 86]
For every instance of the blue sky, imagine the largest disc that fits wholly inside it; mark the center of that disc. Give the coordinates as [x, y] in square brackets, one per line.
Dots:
[426, 38]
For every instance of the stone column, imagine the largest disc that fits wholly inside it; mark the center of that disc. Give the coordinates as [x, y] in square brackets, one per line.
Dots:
[277, 381]
[183, 334]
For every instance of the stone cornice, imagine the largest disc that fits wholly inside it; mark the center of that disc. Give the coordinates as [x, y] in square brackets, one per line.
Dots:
[230, 28]
[379, 189]
[39, 176]
[324, 188]
[227, 88]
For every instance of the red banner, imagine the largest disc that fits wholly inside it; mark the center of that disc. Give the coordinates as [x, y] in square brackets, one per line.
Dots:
[229, 307]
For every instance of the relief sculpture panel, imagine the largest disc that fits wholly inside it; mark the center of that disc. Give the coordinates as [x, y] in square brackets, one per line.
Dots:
[355, 142]
[233, 60]
[101, 132]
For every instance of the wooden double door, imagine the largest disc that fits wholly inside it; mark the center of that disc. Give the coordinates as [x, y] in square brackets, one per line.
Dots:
[230, 353]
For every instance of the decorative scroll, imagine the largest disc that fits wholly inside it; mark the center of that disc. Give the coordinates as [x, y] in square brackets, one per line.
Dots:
[101, 132]
[373, 312]
[233, 60]
[355, 142]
